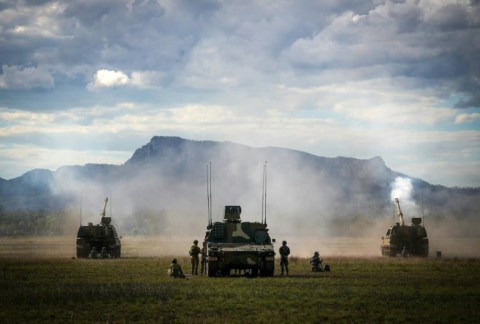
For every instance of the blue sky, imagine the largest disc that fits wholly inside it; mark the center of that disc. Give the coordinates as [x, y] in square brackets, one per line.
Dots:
[87, 81]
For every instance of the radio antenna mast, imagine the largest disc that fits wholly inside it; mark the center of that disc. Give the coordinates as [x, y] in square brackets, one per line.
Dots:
[209, 192]
[264, 194]
[423, 213]
[81, 202]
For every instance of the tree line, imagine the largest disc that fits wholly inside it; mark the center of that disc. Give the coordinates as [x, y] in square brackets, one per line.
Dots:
[24, 222]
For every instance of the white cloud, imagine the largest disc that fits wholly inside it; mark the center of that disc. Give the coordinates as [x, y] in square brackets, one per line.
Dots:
[108, 79]
[395, 115]
[404, 150]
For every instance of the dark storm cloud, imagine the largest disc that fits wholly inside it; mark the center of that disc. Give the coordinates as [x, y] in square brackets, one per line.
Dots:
[114, 34]
[145, 34]
[437, 46]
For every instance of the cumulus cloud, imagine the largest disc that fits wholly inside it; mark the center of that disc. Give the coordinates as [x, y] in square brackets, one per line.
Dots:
[108, 79]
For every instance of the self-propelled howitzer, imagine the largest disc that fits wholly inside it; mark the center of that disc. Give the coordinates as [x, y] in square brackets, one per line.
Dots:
[407, 240]
[98, 240]
[239, 246]
[236, 245]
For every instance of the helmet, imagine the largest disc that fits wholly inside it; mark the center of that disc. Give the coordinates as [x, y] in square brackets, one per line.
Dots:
[284, 242]
[316, 253]
[195, 242]
[174, 261]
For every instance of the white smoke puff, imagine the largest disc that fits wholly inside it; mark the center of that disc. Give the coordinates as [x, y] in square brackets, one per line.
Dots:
[402, 189]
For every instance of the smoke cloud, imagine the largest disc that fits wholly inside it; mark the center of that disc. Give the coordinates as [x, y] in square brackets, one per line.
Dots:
[402, 188]
[337, 206]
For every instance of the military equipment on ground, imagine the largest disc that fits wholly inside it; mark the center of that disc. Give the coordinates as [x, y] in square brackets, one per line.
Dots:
[406, 240]
[233, 245]
[99, 240]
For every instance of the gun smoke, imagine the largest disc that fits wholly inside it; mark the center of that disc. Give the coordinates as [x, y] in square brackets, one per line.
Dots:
[339, 206]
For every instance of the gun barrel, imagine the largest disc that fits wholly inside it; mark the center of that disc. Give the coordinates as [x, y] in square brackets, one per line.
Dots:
[399, 212]
[102, 213]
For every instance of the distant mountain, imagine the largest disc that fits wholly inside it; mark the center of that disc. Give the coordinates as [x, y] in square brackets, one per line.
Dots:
[163, 187]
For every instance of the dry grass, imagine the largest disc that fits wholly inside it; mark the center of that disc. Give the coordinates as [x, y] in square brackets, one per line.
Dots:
[53, 287]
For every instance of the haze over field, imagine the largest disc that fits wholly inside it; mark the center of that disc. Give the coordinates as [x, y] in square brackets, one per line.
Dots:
[343, 205]
[91, 81]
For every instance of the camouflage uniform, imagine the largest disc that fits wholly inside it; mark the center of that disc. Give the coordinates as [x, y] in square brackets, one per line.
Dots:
[194, 252]
[284, 251]
[203, 268]
[175, 270]
[316, 262]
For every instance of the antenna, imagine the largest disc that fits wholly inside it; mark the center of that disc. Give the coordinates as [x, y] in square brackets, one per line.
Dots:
[423, 213]
[264, 194]
[394, 214]
[209, 192]
[81, 202]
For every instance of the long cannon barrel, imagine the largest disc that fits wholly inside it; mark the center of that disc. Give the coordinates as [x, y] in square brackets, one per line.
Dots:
[399, 212]
[102, 213]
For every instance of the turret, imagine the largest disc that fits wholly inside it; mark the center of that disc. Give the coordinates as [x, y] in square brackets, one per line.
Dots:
[399, 212]
[416, 221]
[232, 214]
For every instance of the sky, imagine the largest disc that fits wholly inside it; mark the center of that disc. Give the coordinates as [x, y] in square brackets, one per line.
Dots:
[88, 81]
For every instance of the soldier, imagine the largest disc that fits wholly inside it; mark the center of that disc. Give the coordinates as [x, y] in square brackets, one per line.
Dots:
[93, 253]
[203, 268]
[284, 251]
[103, 253]
[316, 262]
[194, 252]
[175, 270]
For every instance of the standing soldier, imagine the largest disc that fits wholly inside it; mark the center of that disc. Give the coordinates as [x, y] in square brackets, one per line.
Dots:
[203, 268]
[284, 251]
[316, 262]
[194, 252]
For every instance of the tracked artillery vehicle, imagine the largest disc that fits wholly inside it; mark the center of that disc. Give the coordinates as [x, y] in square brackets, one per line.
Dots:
[233, 245]
[406, 240]
[99, 240]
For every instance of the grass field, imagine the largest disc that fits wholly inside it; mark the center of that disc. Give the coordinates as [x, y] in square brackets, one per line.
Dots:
[48, 288]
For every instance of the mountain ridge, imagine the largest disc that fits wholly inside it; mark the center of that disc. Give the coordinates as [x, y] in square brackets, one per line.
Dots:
[167, 176]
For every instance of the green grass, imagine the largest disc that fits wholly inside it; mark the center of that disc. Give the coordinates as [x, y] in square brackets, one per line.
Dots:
[138, 289]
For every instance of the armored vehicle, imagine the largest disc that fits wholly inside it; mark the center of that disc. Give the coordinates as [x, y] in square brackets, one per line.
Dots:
[236, 245]
[407, 240]
[99, 240]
